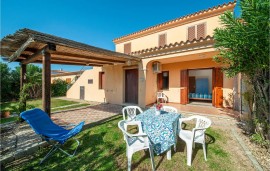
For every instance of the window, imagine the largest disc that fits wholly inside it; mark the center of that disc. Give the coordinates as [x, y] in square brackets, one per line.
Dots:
[90, 81]
[191, 33]
[163, 80]
[196, 32]
[162, 40]
[200, 30]
[101, 80]
[127, 48]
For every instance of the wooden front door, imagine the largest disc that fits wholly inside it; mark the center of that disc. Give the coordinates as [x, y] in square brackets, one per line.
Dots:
[131, 86]
[184, 87]
[217, 85]
[192, 84]
[159, 81]
[82, 92]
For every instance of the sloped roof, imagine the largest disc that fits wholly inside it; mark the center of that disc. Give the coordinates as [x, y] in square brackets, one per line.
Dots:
[172, 23]
[182, 44]
[25, 43]
[66, 73]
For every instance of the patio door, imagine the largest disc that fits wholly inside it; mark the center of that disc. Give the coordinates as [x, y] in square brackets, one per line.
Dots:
[131, 86]
[217, 86]
[184, 87]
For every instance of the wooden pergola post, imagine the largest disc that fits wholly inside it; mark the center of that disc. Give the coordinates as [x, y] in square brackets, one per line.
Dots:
[23, 81]
[46, 82]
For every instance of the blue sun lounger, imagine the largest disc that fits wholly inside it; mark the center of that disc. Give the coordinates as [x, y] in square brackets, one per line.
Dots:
[49, 131]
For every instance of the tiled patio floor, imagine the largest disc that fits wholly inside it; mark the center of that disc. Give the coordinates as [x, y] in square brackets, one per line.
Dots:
[96, 113]
[189, 108]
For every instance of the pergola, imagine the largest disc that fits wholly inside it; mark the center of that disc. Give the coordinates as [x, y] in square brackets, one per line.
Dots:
[29, 46]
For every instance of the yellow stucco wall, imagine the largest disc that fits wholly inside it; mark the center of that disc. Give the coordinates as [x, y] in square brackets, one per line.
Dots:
[114, 84]
[114, 91]
[175, 34]
[92, 91]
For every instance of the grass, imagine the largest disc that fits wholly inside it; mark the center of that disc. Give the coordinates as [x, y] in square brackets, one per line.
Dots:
[13, 106]
[55, 104]
[5, 120]
[103, 148]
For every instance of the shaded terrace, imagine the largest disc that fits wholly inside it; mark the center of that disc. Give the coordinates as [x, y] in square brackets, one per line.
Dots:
[28, 46]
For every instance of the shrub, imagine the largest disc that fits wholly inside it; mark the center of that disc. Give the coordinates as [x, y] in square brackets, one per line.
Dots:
[59, 87]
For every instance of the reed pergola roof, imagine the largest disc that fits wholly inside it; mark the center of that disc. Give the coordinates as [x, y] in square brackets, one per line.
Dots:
[26, 46]
[29, 46]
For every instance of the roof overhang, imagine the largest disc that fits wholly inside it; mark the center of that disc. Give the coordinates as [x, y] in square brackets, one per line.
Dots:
[67, 74]
[176, 48]
[27, 46]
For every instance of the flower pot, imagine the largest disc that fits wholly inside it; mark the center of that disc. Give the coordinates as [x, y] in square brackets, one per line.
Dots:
[5, 114]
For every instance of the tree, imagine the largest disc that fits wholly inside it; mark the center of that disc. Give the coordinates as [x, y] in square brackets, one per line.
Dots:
[244, 48]
[5, 82]
[59, 87]
[15, 82]
[10, 82]
[34, 78]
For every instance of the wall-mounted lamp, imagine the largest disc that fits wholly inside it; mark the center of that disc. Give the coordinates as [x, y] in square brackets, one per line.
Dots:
[128, 62]
[156, 67]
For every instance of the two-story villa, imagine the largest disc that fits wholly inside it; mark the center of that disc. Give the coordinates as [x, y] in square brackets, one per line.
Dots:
[176, 58]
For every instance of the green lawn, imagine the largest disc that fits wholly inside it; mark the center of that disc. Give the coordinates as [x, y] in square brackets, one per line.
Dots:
[4, 120]
[103, 148]
[13, 106]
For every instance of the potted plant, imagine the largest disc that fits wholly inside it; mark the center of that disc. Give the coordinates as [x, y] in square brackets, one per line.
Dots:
[5, 113]
[158, 107]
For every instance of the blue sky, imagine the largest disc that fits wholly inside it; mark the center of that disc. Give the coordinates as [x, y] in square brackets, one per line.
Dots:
[94, 22]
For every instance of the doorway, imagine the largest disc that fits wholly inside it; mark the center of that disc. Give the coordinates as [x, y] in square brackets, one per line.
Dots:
[82, 92]
[131, 86]
[202, 86]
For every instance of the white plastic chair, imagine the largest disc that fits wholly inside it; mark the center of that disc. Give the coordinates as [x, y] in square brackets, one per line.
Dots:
[170, 109]
[197, 134]
[131, 112]
[135, 142]
[161, 95]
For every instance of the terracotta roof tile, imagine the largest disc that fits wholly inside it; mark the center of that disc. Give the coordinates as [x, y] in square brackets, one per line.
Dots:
[172, 45]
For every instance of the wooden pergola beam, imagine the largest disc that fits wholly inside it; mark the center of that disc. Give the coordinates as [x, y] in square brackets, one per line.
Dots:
[23, 81]
[35, 56]
[89, 57]
[46, 82]
[66, 63]
[22, 75]
[75, 63]
[54, 56]
[16, 54]
[68, 60]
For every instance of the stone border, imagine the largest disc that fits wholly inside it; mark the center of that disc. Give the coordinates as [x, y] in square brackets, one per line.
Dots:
[246, 150]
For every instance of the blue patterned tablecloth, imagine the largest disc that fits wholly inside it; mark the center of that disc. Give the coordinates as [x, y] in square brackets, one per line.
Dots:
[161, 129]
